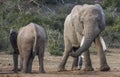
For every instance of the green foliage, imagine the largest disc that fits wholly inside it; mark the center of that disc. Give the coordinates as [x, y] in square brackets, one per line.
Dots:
[51, 1]
[109, 18]
[53, 21]
[55, 42]
[112, 32]
[3, 39]
[112, 11]
[111, 3]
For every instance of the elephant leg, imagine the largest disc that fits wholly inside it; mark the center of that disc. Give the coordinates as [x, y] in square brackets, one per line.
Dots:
[75, 60]
[21, 63]
[30, 63]
[15, 60]
[67, 49]
[41, 60]
[25, 62]
[103, 63]
[87, 61]
[80, 62]
[75, 63]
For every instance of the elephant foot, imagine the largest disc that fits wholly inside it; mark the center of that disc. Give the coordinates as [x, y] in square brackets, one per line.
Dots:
[75, 68]
[60, 69]
[42, 72]
[88, 69]
[29, 71]
[19, 69]
[105, 68]
[15, 71]
[23, 71]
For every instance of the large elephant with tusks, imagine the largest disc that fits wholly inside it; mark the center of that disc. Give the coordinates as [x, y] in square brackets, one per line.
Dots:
[31, 40]
[82, 27]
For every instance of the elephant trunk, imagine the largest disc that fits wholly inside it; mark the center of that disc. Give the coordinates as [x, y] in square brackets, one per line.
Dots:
[88, 38]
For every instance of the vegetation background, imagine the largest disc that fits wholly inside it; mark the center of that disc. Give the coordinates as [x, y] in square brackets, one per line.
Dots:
[51, 15]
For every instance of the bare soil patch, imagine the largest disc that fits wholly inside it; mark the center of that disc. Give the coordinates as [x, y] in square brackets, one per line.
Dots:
[51, 63]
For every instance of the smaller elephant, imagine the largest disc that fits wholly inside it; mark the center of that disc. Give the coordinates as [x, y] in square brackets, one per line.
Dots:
[31, 41]
[13, 41]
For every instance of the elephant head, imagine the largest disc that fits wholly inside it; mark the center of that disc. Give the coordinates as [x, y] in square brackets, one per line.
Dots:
[93, 21]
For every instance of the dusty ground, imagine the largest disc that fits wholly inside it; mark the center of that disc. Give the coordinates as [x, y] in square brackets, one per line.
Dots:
[51, 63]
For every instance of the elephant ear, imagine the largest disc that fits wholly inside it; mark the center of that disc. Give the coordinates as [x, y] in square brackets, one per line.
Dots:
[101, 23]
[101, 19]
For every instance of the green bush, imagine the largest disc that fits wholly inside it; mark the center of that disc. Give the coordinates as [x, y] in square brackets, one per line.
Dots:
[109, 19]
[55, 42]
[111, 3]
[111, 33]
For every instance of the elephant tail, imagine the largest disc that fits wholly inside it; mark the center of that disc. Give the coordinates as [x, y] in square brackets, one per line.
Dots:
[35, 45]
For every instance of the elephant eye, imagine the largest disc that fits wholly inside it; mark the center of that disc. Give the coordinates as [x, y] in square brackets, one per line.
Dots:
[97, 18]
[82, 24]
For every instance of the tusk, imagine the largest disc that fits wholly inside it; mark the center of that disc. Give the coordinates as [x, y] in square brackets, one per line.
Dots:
[103, 43]
[82, 41]
[80, 59]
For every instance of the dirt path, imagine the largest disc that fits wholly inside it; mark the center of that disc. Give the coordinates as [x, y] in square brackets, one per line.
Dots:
[51, 63]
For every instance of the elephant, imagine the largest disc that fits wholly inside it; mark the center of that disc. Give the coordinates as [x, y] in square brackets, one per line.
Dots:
[82, 27]
[13, 41]
[31, 41]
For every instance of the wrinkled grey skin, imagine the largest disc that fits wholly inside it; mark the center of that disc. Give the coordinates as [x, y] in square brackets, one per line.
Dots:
[13, 41]
[86, 21]
[31, 40]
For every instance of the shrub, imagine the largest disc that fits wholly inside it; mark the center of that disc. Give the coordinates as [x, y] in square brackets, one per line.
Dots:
[111, 3]
[55, 42]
